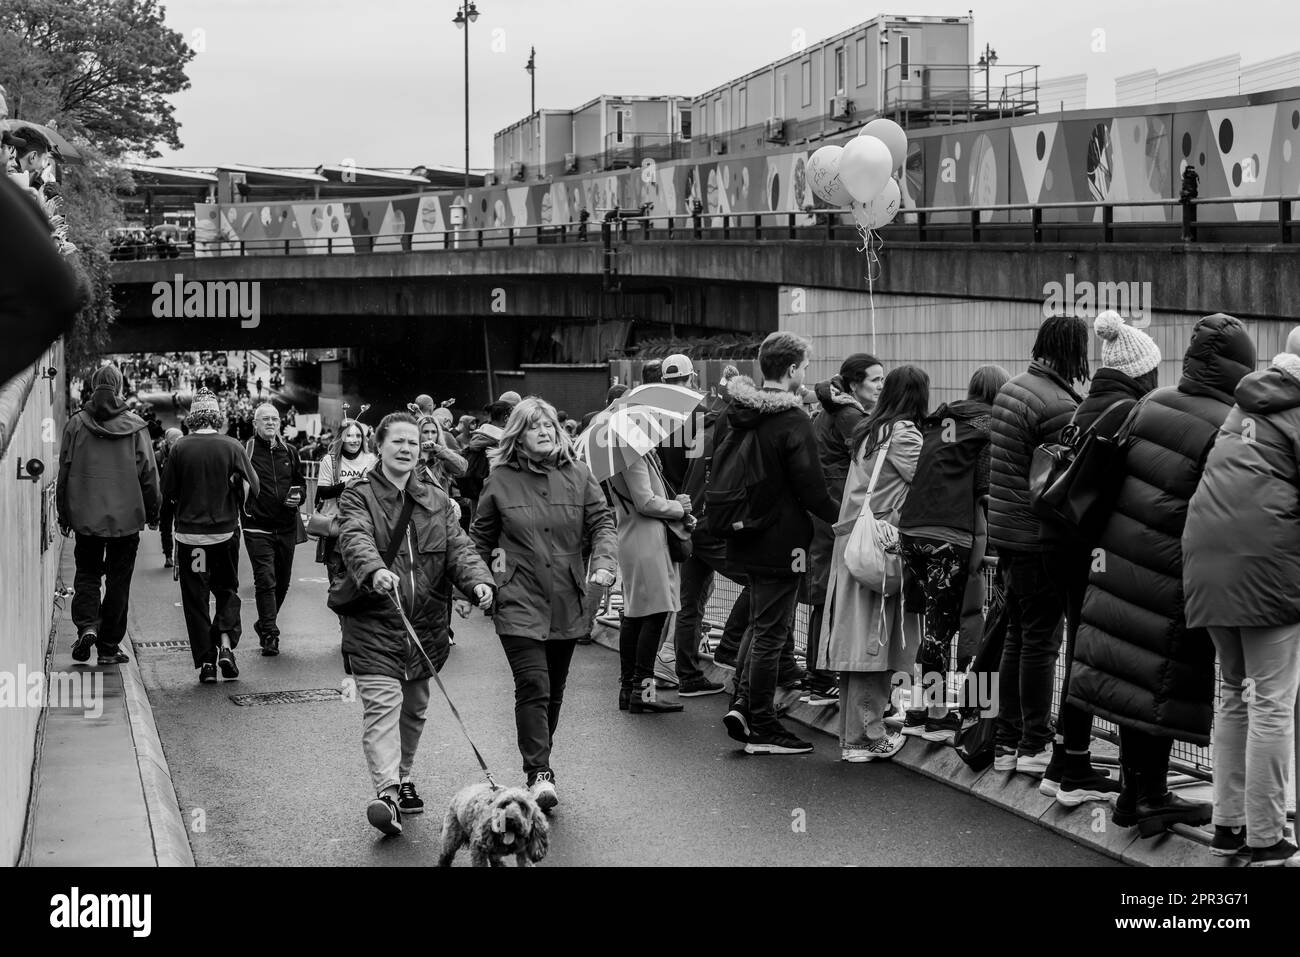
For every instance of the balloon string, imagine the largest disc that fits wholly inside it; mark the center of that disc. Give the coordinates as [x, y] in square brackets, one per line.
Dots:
[871, 245]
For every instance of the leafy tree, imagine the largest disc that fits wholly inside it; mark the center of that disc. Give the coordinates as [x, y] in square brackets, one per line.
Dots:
[103, 68]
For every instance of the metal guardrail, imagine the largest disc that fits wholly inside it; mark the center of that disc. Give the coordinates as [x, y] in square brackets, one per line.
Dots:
[1016, 223]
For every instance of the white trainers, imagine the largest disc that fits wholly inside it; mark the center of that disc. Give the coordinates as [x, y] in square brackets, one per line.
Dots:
[1004, 759]
[1034, 763]
[881, 750]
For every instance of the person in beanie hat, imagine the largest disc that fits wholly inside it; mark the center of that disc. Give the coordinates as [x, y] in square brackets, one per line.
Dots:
[1138, 663]
[209, 478]
[1130, 362]
[107, 492]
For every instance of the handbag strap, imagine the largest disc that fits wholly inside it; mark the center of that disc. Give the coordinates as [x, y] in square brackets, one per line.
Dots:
[881, 454]
[399, 530]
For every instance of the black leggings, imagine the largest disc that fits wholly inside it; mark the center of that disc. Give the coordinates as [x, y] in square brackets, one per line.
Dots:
[638, 642]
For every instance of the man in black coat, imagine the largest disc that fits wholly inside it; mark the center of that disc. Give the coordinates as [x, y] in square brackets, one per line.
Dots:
[271, 521]
[775, 558]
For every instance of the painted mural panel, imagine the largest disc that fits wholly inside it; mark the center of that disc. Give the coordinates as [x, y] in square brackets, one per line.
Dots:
[1240, 150]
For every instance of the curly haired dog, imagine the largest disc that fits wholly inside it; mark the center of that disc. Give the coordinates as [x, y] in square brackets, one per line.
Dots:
[495, 824]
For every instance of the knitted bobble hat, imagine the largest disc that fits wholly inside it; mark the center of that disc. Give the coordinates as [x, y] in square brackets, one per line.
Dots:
[1123, 348]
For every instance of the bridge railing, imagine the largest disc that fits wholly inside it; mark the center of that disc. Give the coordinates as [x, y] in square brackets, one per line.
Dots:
[1212, 220]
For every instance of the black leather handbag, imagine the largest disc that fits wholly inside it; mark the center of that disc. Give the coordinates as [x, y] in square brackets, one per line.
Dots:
[1074, 483]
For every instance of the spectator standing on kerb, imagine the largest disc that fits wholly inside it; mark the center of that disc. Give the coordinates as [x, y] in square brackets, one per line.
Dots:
[1241, 562]
[272, 525]
[209, 478]
[774, 555]
[107, 492]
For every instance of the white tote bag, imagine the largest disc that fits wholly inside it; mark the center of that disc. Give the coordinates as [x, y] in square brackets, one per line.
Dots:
[871, 555]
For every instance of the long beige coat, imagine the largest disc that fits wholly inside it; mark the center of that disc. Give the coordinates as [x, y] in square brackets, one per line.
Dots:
[650, 579]
[861, 631]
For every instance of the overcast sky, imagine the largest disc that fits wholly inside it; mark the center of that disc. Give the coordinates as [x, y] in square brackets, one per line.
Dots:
[380, 82]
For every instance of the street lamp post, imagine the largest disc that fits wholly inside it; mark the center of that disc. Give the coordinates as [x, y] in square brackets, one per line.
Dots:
[531, 67]
[467, 14]
[986, 61]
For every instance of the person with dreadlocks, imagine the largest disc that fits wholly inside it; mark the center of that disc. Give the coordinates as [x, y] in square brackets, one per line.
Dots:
[1029, 410]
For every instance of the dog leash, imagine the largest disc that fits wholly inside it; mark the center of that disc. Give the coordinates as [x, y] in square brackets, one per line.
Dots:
[414, 639]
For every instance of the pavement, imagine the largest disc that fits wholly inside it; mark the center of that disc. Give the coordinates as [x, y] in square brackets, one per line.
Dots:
[287, 784]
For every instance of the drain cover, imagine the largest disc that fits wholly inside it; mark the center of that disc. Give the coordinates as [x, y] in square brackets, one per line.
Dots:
[170, 645]
[287, 697]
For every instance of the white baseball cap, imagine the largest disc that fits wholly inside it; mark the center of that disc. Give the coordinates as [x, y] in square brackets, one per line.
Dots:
[677, 367]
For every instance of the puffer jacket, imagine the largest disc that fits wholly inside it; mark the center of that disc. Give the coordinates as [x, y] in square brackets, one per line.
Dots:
[529, 529]
[108, 477]
[952, 474]
[1241, 546]
[434, 549]
[1029, 410]
[1136, 662]
[833, 428]
[795, 488]
[1111, 390]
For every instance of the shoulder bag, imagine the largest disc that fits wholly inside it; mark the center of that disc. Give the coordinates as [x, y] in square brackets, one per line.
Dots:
[871, 555]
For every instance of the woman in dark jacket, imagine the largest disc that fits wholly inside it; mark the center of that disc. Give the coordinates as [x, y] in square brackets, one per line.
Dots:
[538, 506]
[938, 530]
[1137, 663]
[845, 400]
[391, 672]
[1130, 365]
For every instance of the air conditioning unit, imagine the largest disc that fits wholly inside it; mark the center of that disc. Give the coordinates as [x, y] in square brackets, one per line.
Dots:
[776, 130]
[570, 162]
[719, 146]
[516, 170]
[841, 108]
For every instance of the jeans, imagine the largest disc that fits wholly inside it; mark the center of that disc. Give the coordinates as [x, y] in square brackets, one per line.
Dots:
[638, 640]
[697, 579]
[271, 555]
[209, 570]
[864, 699]
[113, 561]
[1253, 731]
[541, 669]
[1036, 600]
[392, 719]
[166, 516]
[771, 609]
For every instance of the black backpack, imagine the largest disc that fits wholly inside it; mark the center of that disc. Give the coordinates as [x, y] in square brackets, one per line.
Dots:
[739, 496]
[477, 468]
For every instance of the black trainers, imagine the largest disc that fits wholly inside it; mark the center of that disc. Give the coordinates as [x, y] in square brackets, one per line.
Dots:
[943, 730]
[914, 722]
[270, 646]
[823, 698]
[226, 661]
[383, 814]
[81, 647]
[737, 721]
[695, 687]
[1281, 854]
[1228, 841]
[1074, 790]
[541, 784]
[777, 742]
[118, 657]
[1051, 782]
[207, 673]
[407, 800]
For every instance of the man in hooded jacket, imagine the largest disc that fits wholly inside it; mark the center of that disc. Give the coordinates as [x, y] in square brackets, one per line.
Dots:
[107, 492]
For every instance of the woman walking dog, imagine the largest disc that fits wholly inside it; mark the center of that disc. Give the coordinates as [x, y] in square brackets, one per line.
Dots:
[538, 506]
[400, 543]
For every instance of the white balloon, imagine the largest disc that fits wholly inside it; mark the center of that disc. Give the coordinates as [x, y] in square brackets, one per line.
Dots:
[824, 176]
[881, 210]
[865, 165]
[892, 135]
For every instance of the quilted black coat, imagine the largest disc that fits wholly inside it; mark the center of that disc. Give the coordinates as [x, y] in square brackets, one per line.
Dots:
[1029, 410]
[1136, 661]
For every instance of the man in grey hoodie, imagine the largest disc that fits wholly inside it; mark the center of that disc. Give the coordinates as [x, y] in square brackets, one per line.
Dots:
[107, 492]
